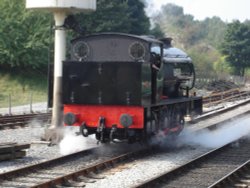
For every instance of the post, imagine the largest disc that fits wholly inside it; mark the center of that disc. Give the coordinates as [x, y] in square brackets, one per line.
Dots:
[31, 101]
[60, 54]
[9, 104]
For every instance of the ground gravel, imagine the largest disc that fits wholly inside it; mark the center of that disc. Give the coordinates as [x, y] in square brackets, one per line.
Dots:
[146, 168]
[36, 153]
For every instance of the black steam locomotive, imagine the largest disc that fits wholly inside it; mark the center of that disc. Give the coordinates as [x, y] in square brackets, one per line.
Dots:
[124, 87]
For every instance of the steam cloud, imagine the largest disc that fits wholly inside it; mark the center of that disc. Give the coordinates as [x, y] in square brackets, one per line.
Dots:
[72, 143]
[151, 7]
[229, 132]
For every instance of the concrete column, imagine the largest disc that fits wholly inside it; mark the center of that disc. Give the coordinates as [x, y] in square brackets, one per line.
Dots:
[60, 55]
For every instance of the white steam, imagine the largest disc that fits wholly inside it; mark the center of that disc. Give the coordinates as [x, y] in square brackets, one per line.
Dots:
[34, 125]
[227, 133]
[153, 6]
[72, 143]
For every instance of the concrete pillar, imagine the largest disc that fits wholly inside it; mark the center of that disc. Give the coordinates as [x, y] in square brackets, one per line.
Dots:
[60, 55]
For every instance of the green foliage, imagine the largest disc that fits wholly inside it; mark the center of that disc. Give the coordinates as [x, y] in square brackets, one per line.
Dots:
[139, 21]
[181, 27]
[236, 46]
[214, 30]
[200, 39]
[203, 56]
[116, 16]
[24, 36]
[221, 66]
[157, 32]
[186, 31]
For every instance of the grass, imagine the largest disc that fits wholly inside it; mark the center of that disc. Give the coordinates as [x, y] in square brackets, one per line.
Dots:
[21, 88]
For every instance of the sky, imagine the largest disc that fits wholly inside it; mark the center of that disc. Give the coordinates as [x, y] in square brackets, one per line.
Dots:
[227, 10]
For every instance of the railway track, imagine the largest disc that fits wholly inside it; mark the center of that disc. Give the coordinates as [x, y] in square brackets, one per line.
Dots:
[240, 177]
[204, 170]
[71, 178]
[56, 172]
[236, 109]
[16, 121]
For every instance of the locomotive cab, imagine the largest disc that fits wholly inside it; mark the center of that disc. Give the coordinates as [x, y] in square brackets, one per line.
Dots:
[178, 71]
[112, 69]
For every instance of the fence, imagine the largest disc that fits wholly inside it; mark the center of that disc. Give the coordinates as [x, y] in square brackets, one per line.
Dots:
[17, 103]
[227, 96]
[205, 80]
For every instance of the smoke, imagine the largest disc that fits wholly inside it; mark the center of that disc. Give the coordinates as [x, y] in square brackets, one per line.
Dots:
[35, 125]
[152, 7]
[73, 143]
[229, 132]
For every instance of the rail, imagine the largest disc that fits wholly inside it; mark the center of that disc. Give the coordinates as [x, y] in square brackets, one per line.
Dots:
[64, 178]
[213, 164]
[12, 121]
[240, 177]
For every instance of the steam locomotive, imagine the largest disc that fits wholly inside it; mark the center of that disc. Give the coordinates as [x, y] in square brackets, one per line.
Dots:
[124, 87]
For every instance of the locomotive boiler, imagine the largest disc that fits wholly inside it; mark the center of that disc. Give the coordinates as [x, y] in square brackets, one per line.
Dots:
[123, 87]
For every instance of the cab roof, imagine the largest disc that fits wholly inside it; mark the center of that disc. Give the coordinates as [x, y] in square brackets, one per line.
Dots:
[148, 39]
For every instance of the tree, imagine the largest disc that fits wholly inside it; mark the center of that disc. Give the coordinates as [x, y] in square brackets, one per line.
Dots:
[182, 27]
[139, 21]
[214, 30]
[222, 67]
[126, 16]
[157, 32]
[203, 57]
[172, 9]
[236, 46]
[24, 38]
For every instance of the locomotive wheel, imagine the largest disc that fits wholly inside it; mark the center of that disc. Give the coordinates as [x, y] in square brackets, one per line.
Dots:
[171, 120]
